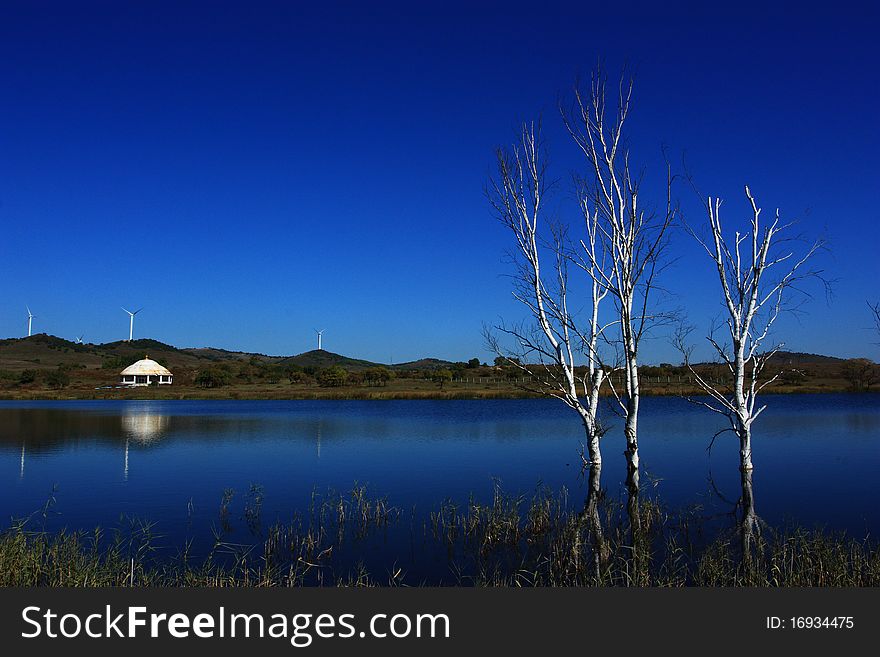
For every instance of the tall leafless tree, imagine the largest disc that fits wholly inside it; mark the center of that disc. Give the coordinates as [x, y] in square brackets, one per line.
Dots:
[631, 235]
[549, 344]
[758, 272]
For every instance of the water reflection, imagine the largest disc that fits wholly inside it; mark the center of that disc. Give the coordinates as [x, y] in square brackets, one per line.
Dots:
[38, 430]
[594, 521]
[145, 427]
[749, 522]
[418, 453]
[319, 438]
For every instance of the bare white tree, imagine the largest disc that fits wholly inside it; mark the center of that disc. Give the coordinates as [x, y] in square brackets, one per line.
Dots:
[546, 347]
[550, 344]
[631, 235]
[758, 271]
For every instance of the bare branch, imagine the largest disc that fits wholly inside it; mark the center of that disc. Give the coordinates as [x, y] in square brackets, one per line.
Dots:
[632, 236]
[754, 294]
[548, 347]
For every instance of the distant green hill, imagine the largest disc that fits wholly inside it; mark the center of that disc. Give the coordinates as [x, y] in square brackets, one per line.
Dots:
[47, 351]
[321, 359]
[43, 351]
[423, 364]
[797, 357]
[215, 354]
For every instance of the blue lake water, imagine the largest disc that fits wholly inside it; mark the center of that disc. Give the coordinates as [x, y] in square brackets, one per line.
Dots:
[816, 457]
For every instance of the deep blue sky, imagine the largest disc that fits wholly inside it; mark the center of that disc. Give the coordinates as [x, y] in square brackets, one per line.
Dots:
[249, 171]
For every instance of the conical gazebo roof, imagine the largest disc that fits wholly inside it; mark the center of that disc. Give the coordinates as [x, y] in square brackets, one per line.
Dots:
[145, 367]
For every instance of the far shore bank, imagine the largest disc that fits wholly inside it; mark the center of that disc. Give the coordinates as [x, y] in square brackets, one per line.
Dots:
[282, 392]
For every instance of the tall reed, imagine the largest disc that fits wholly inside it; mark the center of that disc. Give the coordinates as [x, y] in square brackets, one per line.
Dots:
[544, 540]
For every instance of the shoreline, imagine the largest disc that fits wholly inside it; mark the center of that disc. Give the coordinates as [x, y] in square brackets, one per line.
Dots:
[358, 394]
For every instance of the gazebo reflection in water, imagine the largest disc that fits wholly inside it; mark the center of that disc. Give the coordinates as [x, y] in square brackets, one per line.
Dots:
[144, 428]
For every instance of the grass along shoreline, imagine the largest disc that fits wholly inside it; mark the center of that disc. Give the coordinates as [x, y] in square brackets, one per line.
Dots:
[542, 541]
[288, 392]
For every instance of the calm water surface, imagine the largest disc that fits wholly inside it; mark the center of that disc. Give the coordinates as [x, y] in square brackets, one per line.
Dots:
[816, 457]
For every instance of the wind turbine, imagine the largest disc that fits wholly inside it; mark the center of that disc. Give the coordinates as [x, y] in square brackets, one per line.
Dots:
[131, 322]
[79, 340]
[30, 320]
[320, 333]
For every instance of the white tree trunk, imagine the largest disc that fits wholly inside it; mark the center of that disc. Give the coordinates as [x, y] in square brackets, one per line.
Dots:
[631, 432]
[751, 301]
[554, 335]
[633, 239]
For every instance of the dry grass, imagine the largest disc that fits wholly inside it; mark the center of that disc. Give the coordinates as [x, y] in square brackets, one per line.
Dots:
[510, 541]
[398, 389]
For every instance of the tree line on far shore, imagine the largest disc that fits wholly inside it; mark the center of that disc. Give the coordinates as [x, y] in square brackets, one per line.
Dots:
[853, 375]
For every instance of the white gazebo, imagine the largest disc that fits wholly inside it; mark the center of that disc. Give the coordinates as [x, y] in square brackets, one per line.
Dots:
[145, 372]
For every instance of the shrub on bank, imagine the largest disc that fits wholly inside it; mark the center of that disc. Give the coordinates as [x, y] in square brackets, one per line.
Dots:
[213, 377]
[332, 377]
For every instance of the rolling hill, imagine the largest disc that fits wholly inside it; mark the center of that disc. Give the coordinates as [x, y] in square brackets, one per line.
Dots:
[47, 367]
[796, 358]
[322, 359]
[44, 351]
